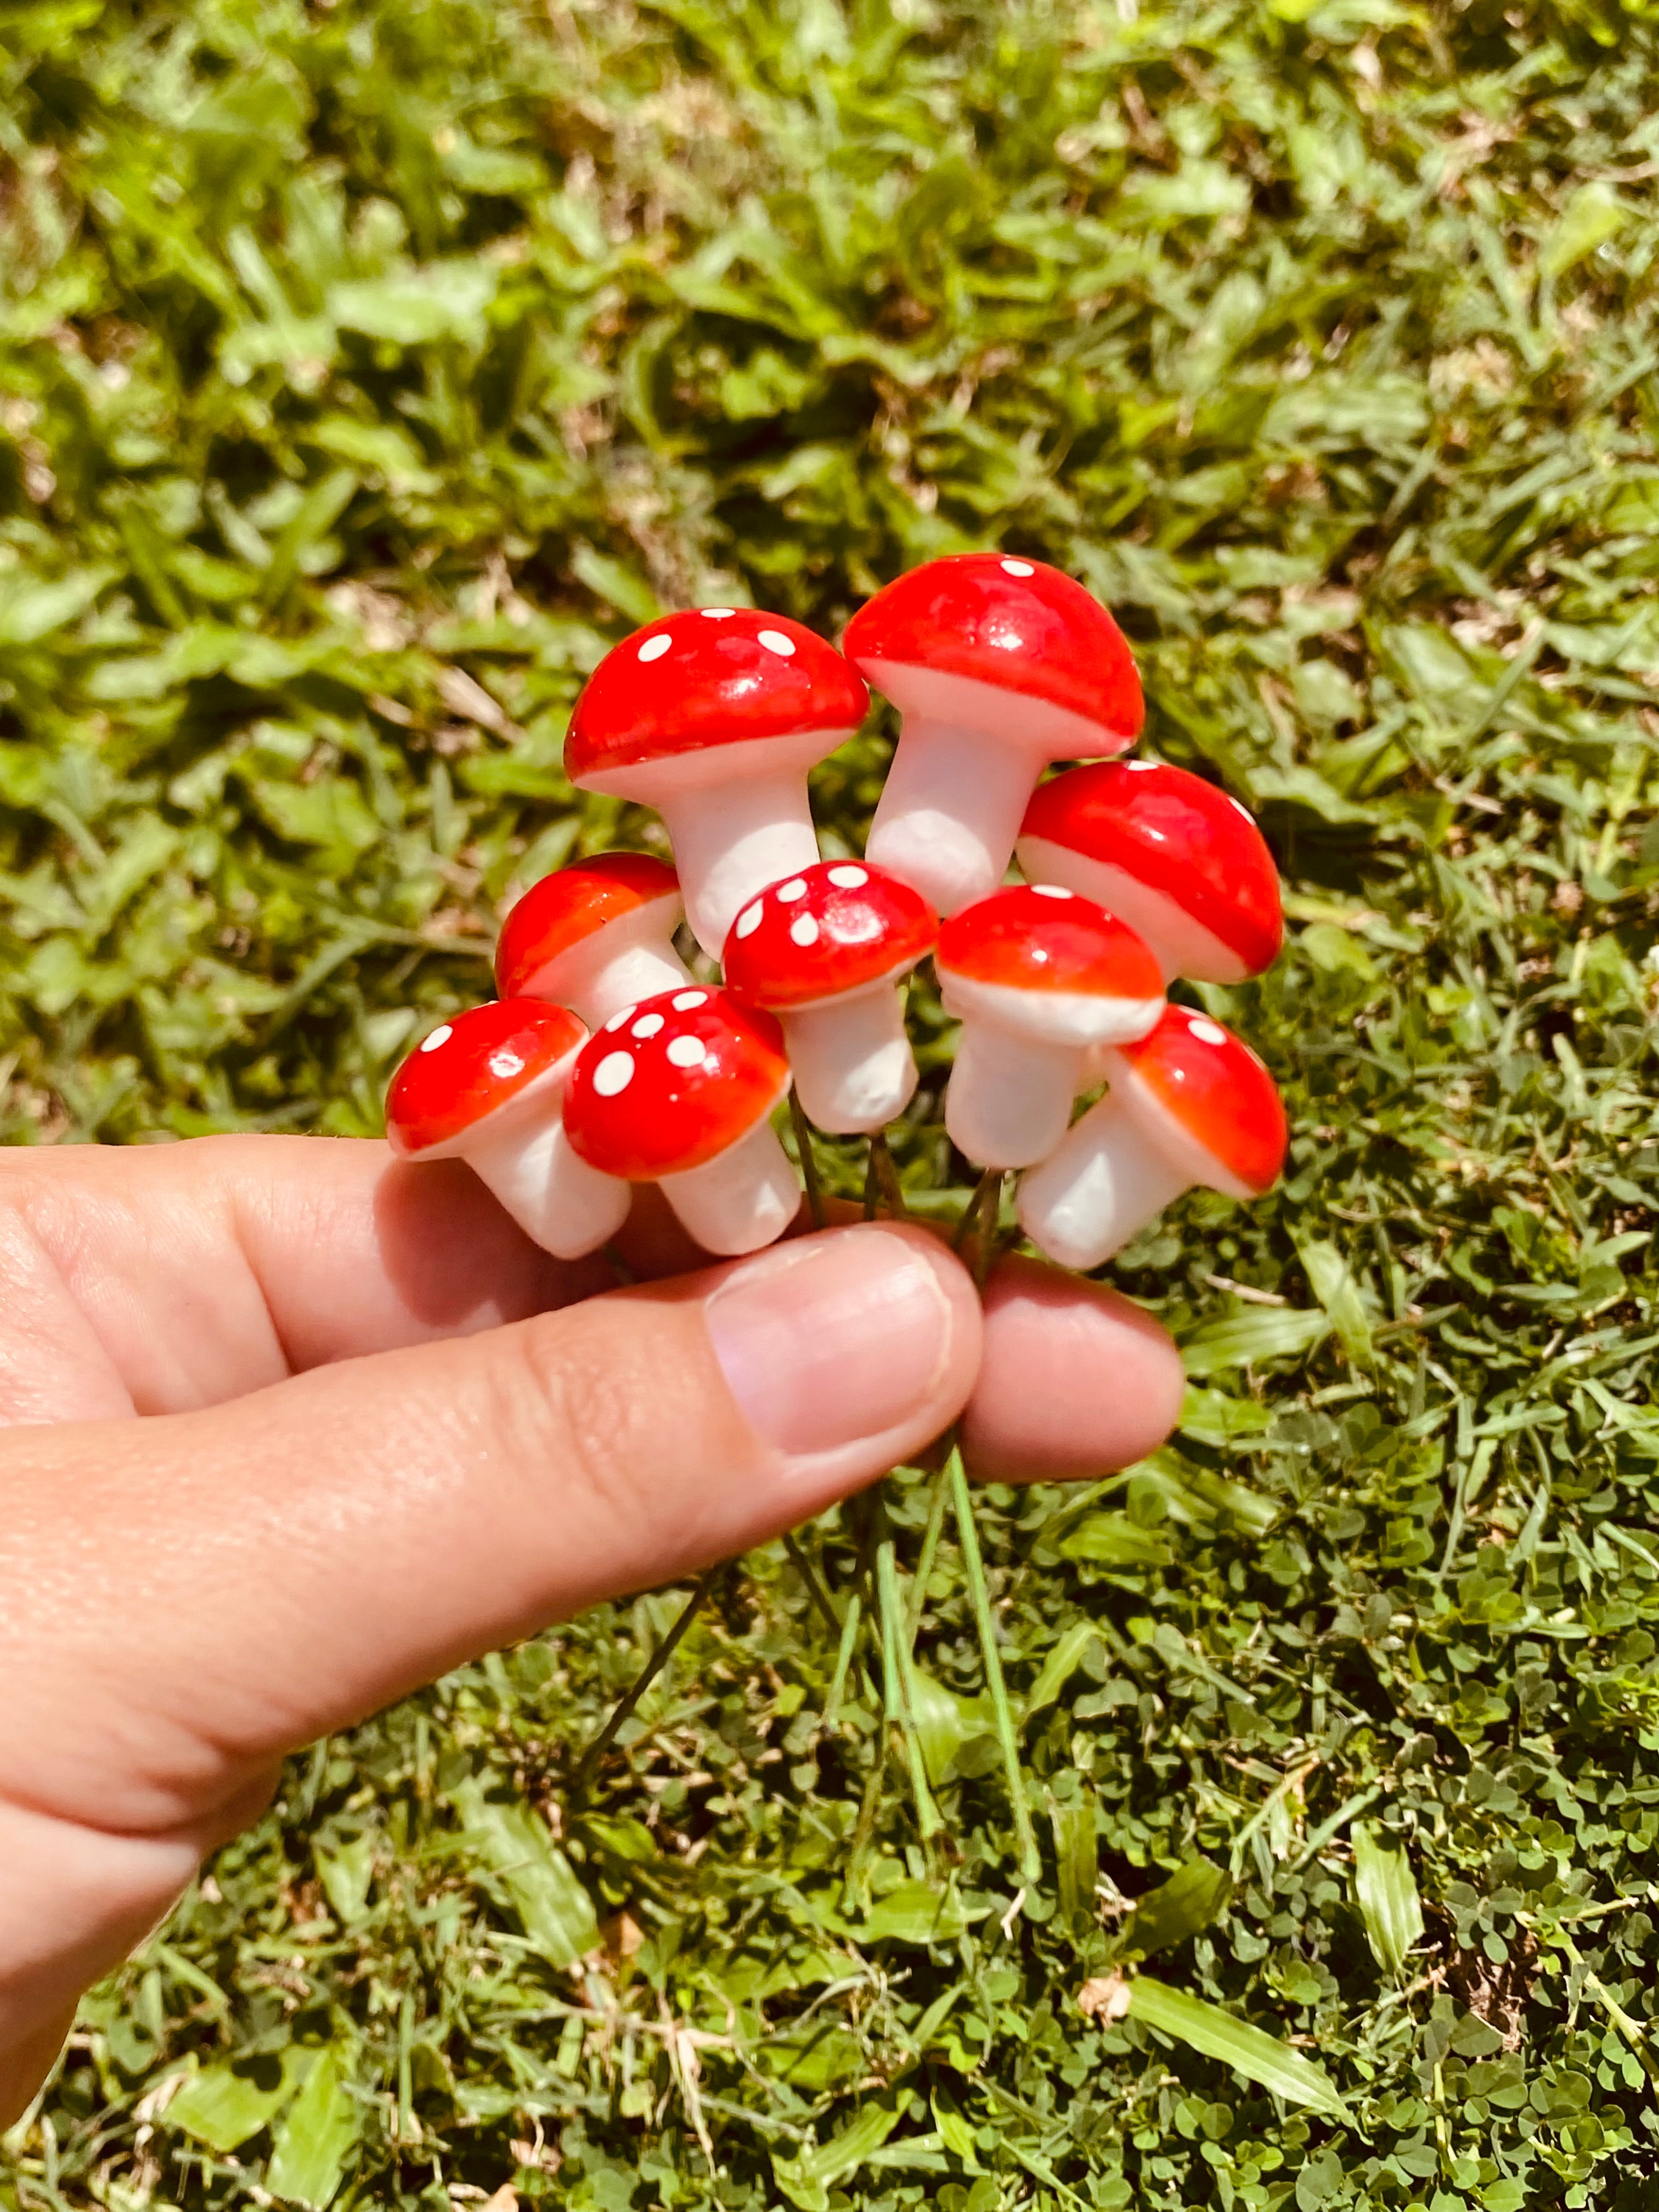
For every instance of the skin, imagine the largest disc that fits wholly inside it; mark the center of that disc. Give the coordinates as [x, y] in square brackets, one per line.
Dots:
[286, 1428]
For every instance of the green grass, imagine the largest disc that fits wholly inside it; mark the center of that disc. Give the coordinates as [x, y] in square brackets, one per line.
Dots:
[365, 369]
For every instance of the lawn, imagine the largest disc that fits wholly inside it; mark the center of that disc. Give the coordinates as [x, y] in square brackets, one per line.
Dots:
[367, 368]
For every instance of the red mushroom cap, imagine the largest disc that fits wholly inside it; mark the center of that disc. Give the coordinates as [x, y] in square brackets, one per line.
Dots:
[470, 1066]
[1019, 625]
[1217, 1091]
[569, 906]
[672, 1082]
[1038, 938]
[713, 676]
[1175, 833]
[833, 929]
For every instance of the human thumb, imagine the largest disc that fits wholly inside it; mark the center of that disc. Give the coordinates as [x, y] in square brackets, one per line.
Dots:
[203, 1592]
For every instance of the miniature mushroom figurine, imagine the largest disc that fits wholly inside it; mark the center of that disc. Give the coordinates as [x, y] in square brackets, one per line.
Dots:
[1037, 977]
[679, 1090]
[486, 1087]
[997, 666]
[598, 937]
[714, 718]
[824, 951]
[1190, 1106]
[1180, 860]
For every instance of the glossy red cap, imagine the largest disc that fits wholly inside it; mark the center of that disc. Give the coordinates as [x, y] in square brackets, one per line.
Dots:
[1214, 1086]
[571, 905]
[672, 1082]
[1020, 625]
[1179, 835]
[715, 675]
[832, 928]
[470, 1066]
[1036, 937]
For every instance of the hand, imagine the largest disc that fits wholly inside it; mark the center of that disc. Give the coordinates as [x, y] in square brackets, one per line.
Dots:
[385, 1434]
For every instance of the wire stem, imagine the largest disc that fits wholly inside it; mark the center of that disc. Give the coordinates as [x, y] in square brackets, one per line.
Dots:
[1030, 1862]
[886, 1177]
[647, 1675]
[809, 1158]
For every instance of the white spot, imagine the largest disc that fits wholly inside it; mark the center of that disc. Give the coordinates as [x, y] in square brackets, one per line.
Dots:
[1050, 890]
[1208, 1032]
[1018, 568]
[687, 1051]
[1242, 809]
[654, 648]
[775, 642]
[786, 894]
[803, 930]
[647, 1026]
[621, 1021]
[441, 1035]
[748, 922]
[848, 878]
[684, 1000]
[614, 1073]
[506, 1063]
[717, 614]
[1138, 766]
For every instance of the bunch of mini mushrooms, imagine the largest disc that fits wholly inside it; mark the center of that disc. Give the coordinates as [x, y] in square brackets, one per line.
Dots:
[606, 1062]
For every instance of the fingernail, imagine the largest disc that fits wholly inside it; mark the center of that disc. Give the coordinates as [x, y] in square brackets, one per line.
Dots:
[832, 1340]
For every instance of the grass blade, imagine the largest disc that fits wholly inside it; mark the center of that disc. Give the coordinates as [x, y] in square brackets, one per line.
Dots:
[1260, 2058]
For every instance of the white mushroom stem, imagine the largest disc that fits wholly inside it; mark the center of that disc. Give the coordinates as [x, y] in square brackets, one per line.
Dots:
[600, 983]
[952, 807]
[561, 1203]
[731, 840]
[851, 1060]
[584, 1207]
[1115, 1171]
[1010, 1097]
[745, 1197]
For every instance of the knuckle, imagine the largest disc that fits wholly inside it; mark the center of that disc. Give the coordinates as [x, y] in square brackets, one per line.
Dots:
[585, 1400]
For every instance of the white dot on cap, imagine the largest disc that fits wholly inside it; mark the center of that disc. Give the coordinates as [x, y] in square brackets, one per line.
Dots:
[717, 614]
[621, 1020]
[775, 642]
[506, 1063]
[1138, 767]
[614, 1073]
[1051, 891]
[647, 1026]
[439, 1035]
[849, 877]
[786, 894]
[803, 930]
[687, 1051]
[684, 1000]
[748, 922]
[1018, 568]
[654, 648]
[1208, 1032]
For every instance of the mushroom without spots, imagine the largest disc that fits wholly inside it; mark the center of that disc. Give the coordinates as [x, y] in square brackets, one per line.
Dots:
[825, 951]
[715, 717]
[679, 1090]
[1190, 1107]
[598, 936]
[1037, 977]
[1179, 859]
[486, 1087]
[998, 667]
